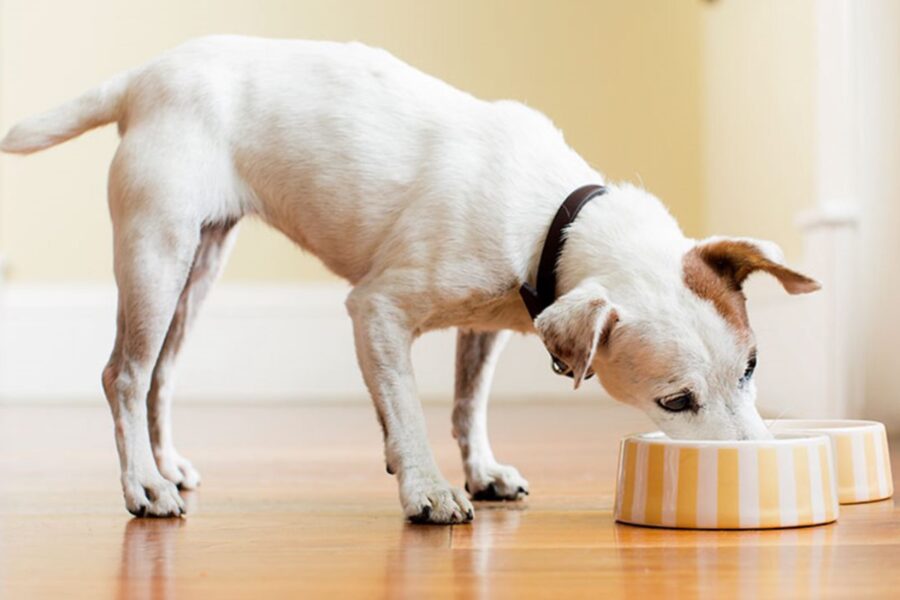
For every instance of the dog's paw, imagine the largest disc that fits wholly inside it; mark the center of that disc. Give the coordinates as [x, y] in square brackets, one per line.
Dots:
[152, 497]
[496, 482]
[435, 501]
[178, 470]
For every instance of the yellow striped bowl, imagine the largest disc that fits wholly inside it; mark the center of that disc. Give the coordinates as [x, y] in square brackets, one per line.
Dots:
[784, 482]
[861, 456]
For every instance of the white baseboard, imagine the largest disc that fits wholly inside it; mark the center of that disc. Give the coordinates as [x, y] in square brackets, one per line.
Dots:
[810, 354]
[792, 359]
[251, 343]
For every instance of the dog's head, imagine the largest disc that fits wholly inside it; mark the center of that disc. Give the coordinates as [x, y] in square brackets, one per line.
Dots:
[682, 350]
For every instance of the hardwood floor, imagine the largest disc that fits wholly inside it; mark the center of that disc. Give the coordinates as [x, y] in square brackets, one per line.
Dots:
[295, 503]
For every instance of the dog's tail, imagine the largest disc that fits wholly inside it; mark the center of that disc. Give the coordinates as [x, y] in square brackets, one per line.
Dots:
[94, 108]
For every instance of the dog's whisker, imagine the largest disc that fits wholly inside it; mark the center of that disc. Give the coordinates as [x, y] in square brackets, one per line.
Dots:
[640, 179]
[772, 422]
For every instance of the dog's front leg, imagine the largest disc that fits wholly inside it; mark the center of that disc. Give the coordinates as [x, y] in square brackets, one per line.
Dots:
[384, 338]
[476, 358]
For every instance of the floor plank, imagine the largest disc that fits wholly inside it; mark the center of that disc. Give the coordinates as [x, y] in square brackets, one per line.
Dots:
[295, 503]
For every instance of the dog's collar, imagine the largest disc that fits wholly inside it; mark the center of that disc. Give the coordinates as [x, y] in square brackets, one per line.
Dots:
[543, 294]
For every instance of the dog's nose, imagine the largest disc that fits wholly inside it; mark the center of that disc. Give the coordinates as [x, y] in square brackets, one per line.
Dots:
[756, 433]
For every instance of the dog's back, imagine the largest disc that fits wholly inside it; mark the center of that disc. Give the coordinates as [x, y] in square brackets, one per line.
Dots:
[329, 142]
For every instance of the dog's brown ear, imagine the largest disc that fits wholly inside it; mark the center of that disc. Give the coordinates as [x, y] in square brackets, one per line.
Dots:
[575, 325]
[735, 259]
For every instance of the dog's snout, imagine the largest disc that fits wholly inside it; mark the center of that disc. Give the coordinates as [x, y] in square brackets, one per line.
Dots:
[744, 424]
[750, 426]
[763, 434]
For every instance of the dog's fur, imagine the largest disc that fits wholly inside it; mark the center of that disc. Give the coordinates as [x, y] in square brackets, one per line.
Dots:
[434, 205]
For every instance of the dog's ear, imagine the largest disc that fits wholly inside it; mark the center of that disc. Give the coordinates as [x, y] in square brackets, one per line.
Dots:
[734, 259]
[575, 325]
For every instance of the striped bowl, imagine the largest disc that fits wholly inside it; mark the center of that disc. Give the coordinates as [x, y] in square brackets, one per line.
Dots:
[784, 482]
[861, 455]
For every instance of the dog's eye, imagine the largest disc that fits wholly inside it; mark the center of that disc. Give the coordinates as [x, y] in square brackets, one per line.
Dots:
[751, 366]
[679, 402]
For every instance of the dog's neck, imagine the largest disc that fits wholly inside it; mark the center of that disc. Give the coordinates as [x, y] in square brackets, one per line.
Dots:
[627, 241]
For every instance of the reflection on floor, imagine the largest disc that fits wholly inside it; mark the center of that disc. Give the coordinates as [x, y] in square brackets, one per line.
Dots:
[295, 503]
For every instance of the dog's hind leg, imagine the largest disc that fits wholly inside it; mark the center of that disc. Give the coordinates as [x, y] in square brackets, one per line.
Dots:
[215, 243]
[476, 358]
[156, 233]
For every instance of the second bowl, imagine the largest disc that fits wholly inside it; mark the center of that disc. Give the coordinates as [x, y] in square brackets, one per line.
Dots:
[861, 454]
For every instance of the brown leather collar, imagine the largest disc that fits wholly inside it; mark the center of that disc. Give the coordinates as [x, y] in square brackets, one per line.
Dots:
[543, 294]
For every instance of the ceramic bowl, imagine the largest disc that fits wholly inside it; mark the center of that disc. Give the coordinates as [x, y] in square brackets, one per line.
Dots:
[861, 454]
[784, 482]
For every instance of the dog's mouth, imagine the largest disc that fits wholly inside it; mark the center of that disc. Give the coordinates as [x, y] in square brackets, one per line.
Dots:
[731, 432]
[738, 437]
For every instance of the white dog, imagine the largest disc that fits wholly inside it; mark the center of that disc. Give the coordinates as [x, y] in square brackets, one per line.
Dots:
[435, 205]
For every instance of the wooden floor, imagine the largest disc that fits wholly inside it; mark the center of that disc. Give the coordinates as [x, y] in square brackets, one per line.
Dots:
[295, 503]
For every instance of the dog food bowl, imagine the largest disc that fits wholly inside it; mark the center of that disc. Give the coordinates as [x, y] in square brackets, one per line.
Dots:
[784, 482]
[861, 456]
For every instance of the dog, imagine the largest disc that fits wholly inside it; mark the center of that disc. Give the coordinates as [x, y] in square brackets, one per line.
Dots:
[435, 206]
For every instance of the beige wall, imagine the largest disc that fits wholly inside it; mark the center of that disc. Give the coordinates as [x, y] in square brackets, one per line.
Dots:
[759, 120]
[621, 79]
